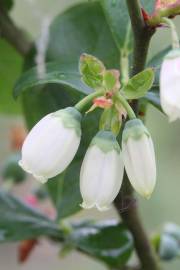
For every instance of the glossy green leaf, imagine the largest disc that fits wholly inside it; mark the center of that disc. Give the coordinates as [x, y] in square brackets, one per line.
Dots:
[10, 68]
[65, 191]
[118, 19]
[83, 29]
[19, 221]
[65, 74]
[107, 241]
[139, 84]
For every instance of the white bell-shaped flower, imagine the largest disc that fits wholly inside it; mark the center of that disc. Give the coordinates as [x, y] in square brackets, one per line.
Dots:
[139, 157]
[52, 144]
[170, 85]
[101, 172]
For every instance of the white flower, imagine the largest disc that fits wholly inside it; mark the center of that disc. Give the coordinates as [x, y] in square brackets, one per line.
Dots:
[101, 172]
[170, 85]
[51, 144]
[139, 157]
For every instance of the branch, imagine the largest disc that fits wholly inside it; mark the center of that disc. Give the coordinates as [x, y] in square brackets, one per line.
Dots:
[12, 33]
[142, 35]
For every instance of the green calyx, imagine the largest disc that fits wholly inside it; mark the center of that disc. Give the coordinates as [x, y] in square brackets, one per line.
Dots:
[106, 141]
[175, 53]
[71, 118]
[135, 129]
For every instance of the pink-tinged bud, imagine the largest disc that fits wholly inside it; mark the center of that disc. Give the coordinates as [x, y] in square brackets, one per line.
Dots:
[103, 102]
[161, 4]
[170, 85]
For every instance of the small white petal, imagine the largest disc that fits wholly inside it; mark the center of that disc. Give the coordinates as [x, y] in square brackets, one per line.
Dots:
[139, 161]
[49, 148]
[100, 178]
[170, 86]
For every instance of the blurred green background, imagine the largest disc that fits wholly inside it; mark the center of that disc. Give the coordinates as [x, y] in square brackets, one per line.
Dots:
[164, 204]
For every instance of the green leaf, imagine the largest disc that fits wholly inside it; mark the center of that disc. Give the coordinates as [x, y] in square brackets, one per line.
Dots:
[65, 191]
[10, 68]
[117, 17]
[139, 84]
[111, 79]
[92, 70]
[107, 241]
[19, 221]
[83, 29]
[61, 73]
[116, 14]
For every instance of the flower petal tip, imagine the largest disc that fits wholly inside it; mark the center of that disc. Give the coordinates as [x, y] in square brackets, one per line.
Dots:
[86, 205]
[89, 206]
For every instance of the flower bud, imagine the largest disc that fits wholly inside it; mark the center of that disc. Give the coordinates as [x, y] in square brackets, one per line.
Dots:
[139, 157]
[101, 172]
[170, 85]
[51, 144]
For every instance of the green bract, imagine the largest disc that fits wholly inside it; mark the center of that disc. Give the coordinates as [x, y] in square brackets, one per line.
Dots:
[135, 129]
[139, 84]
[71, 118]
[91, 69]
[106, 141]
[109, 79]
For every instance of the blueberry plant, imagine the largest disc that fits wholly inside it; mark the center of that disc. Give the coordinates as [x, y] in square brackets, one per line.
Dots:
[84, 91]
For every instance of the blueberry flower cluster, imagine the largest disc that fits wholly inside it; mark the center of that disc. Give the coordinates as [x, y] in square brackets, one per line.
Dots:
[53, 142]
